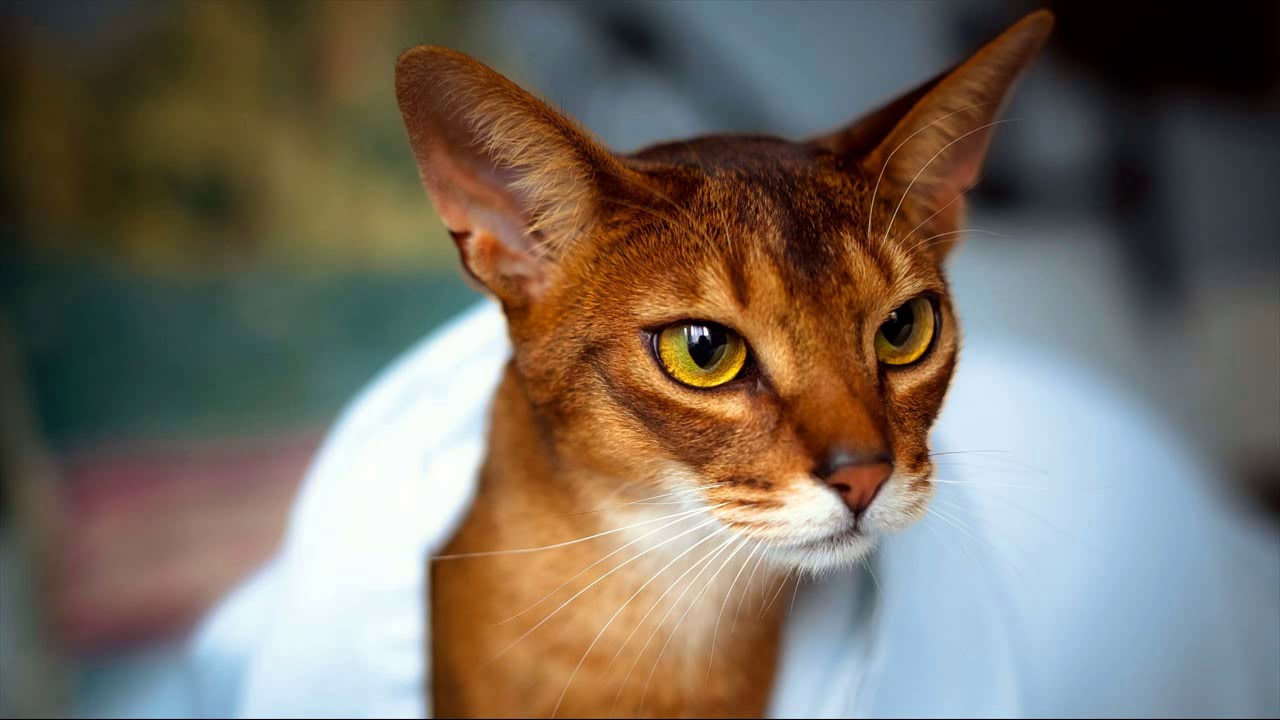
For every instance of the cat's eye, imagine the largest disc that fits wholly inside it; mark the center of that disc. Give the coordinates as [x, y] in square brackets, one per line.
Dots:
[701, 354]
[907, 334]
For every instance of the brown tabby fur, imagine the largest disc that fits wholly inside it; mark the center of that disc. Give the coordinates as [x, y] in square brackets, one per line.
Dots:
[589, 252]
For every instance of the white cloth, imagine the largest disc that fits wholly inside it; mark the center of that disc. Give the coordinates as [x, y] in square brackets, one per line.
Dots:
[1087, 569]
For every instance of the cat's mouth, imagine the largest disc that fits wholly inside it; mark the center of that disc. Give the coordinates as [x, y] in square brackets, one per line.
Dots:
[851, 535]
[843, 545]
[812, 528]
[835, 550]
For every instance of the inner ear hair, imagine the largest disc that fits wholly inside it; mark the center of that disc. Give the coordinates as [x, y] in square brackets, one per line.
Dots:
[514, 180]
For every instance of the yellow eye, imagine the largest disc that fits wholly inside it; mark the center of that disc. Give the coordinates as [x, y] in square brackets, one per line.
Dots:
[701, 354]
[908, 332]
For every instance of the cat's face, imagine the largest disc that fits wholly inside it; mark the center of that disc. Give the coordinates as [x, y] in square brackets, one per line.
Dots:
[759, 326]
[767, 240]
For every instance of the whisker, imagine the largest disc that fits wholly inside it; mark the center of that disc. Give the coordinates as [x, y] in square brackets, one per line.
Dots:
[521, 551]
[646, 501]
[705, 558]
[708, 560]
[716, 633]
[950, 547]
[871, 205]
[988, 483]
[645, 692]
[926, 241]
[746, 590]
[938, 212]
[947, 519]
[592, 584]
[867, 566]
[952, 519]
[777, 592]
[796, 592]
[936, 513]
[1007, 457]
[618, 612]
[1017, 567]
[906, 192]
[1027, 512]
[967, 530]
[1004, 465]
[583, 570]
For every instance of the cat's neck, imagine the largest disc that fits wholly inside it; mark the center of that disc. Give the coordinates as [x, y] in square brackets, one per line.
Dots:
[631, 613]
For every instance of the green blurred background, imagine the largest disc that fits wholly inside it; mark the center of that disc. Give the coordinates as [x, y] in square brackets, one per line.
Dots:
[213, 237]
[172, 182]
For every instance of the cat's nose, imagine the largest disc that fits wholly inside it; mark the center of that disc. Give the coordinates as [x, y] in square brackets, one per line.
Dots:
[857, 477]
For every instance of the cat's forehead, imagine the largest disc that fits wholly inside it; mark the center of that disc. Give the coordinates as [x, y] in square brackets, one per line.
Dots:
[741, 207]
[756, 182]
[718, 154]
[747, 227]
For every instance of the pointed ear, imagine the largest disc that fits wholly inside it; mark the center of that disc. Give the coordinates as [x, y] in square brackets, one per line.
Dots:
[513, 180]
[926, 148]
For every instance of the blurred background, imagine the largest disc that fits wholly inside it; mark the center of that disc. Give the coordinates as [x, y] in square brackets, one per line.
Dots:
[213, 235]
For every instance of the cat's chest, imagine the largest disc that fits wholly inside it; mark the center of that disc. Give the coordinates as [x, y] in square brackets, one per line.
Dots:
[605, 628]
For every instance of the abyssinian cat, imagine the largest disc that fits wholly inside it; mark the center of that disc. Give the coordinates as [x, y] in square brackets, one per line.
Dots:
[728, 354]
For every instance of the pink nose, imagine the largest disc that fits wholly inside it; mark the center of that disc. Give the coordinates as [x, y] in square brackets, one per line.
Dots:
[859, 484]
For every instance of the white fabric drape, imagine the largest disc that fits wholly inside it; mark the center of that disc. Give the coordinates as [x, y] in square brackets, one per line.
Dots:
[1086, 569]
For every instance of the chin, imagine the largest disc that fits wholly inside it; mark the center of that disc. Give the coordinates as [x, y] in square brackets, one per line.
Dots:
[844, 544]
[835, 552]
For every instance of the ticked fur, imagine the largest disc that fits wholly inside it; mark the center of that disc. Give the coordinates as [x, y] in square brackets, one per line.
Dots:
[632, 535]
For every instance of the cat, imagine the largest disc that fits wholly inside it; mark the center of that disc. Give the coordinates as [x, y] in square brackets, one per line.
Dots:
[728, 355]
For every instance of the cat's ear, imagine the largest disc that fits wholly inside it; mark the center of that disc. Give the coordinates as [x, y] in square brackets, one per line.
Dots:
[513, 179]
[928, 145]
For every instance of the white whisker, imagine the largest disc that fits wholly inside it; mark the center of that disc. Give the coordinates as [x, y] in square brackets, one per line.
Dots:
[988, 483]
[716, 633]
[685, 614]
[705, 563]
[796, 592]
[906, 192]
[521, 551]
[866, 564]
[938, 212]
[871, 205]
[1017, 567]
[924, 242]
[777, 592]
[1003, 465]
[745, 591]
[646, 501]
[954, 520]
[618, 612]
[544, 598]
[592, 584]
[710, 554]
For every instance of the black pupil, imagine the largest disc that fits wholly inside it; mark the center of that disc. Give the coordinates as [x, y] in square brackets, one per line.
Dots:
[897, 329]
[707, 344]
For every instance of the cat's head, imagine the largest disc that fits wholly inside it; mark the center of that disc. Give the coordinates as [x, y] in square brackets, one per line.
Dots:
[758, 324]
